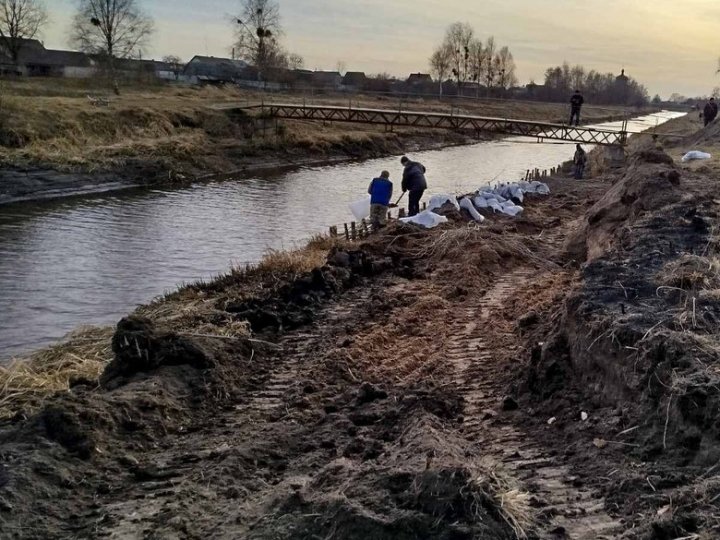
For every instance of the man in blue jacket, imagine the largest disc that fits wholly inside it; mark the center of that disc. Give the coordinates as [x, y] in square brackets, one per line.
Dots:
[414, 182]
[380, 191]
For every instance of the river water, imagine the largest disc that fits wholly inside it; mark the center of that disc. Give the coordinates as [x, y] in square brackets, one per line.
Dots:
[90, 260]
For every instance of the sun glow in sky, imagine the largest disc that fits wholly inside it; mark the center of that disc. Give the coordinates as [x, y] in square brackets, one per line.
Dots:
[667, 45]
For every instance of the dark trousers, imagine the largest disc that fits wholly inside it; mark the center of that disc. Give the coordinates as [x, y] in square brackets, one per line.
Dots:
[575, 114]
[414, 204]
[579, 171]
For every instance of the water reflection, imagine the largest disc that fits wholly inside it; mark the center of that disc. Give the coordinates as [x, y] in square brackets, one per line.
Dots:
[92, 259]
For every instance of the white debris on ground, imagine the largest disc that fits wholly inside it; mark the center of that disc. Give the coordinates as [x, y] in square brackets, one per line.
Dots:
[695, 154]
[470, 207]
[426, 219]
[437, 201]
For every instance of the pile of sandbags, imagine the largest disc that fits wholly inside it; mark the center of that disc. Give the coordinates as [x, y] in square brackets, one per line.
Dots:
[507, 198]
[504, 198]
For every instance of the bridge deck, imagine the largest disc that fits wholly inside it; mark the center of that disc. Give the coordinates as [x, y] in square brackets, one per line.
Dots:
[458, 122]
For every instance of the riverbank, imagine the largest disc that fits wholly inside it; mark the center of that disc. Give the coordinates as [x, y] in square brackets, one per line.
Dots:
[555, 372]
[53, 141]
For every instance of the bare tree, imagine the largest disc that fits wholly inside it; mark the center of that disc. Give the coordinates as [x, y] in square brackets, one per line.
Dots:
[478, 61]
[577, 76]
[441, 64]
[176, 64]
[341, 67]
[295, 61]
[458, 39]
[258, 31]
[505, 68]
[20, 20]
[491, 65]
[111, 29]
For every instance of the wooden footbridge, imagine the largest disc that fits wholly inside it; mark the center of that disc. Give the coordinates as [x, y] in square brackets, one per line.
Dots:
[541, 131]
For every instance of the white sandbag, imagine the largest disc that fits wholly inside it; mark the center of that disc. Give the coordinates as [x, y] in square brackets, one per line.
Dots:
[695, 154]
[480, 202]
[539, 188]
[496, 206]
[468, 205]
[361, 209]
[525, 186]
[426, 219]
[437, 201]
[511, 209]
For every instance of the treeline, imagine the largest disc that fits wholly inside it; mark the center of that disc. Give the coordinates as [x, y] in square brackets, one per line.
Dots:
[476, 67]
[605, 88]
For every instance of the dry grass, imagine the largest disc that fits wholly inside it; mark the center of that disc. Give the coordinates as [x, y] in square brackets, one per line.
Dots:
[27, 381]
[691, 272]
[512, 503]
[51, 121]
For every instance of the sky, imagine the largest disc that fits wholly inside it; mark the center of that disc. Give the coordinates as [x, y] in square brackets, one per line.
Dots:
[667, 45]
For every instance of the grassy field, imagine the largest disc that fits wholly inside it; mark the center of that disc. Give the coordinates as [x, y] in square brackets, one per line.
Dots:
[172, 131]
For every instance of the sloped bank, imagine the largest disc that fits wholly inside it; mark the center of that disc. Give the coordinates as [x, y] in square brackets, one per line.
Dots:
[341, 458]
[637, 345]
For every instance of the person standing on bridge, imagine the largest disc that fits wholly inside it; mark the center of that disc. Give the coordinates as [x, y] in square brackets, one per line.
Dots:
[380, 191]
[576, 103]
[580, 161]
[413, 181]
[710, 111]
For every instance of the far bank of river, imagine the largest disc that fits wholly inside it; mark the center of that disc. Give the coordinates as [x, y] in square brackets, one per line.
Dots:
[89, 260]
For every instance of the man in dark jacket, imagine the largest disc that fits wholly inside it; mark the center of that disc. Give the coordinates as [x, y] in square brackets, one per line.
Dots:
[576, 103]
[414, 182]
[710, 111]
[580, 161]
[380, 191]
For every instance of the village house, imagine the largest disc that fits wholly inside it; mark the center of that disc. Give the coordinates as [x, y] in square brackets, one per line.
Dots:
[327, 80]
[213, 70]
[34, 60]
[354, 80]
[418, 79]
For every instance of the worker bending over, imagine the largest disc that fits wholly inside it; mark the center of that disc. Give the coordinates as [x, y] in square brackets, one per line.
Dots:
[380, 191]
[413, 181]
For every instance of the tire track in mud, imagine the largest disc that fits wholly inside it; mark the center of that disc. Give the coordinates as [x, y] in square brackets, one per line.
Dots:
[194, 462]
[569, 511]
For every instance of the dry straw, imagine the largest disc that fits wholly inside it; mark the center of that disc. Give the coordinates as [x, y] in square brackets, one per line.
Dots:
[25, 382]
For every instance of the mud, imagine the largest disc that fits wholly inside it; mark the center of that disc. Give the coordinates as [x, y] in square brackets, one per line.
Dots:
[552, 376]
[635, 345]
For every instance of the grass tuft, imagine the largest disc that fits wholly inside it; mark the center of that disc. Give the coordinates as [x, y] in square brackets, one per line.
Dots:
[26, 381]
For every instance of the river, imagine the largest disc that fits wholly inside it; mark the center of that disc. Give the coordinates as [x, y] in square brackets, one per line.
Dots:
[92, 259]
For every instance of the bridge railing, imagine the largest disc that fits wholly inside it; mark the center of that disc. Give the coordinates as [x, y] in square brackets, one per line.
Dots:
[451, 121]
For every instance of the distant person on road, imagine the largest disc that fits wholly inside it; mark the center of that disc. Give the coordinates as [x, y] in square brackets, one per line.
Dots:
[380, 191]
[580, 161]
[710, 111]
[576, 103]
[414, 182]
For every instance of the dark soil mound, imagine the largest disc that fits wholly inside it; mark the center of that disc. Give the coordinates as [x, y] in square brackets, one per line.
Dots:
[140, 347]
[651, 182]
[637, 340]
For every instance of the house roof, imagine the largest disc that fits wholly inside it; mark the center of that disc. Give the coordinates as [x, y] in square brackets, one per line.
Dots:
[419, 77]
[213, 60]
[354, 77]
[326, 77]
[32, 52]
[65, 58]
